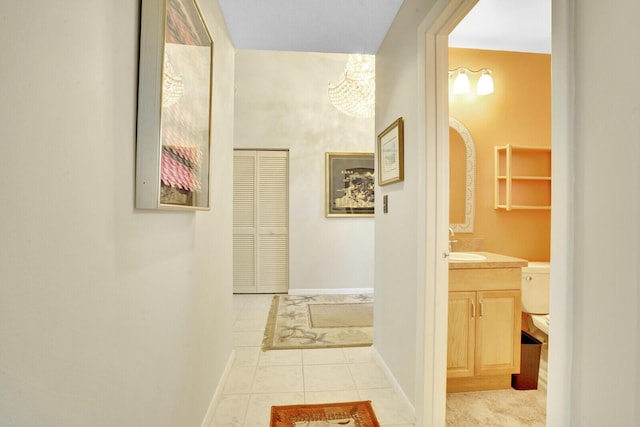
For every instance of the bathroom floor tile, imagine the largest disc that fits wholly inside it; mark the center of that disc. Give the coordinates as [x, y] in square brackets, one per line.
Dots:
[230, 411]
[323, 356]
[331, 396]
[239, 380]
[328, 378]
[280, 357]
[358, 355]
[390, 409]
[246, 356]
[247, 338]
[250, 324]
[368, 375]
[259, 408]
[275, 379]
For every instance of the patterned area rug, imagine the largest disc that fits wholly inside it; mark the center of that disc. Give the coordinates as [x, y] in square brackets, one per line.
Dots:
[356, 414]
[319, 321]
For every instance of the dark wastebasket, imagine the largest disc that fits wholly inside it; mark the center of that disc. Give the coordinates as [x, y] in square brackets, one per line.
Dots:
[527, 379]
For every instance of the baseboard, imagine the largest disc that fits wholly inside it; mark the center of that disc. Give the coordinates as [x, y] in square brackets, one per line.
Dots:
[208, 417]
[394, 383]
[334, 291]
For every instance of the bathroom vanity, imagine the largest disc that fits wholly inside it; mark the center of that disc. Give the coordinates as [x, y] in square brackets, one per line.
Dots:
[484, 321]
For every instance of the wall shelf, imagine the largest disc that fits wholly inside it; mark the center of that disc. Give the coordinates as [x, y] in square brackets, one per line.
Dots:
[530, 187]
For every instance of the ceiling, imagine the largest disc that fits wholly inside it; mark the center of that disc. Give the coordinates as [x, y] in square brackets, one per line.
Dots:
[513, 25]
[359, 26]
[338, 26]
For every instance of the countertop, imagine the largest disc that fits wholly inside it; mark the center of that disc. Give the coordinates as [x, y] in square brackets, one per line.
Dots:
[492, 261]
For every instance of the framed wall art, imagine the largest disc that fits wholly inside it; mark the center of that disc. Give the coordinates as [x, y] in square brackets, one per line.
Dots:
[391, 153]
[350, 184]
[174, 107]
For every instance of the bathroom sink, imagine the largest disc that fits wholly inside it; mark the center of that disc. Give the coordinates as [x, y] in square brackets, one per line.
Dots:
[465, 256]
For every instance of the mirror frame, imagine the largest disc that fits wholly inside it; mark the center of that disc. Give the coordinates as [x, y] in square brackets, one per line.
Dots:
[470, 187]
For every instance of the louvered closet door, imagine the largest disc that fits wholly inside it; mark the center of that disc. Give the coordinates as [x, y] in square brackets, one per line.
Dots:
[261, 222]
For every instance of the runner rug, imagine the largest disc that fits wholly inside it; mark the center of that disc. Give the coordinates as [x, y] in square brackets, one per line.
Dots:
[319, 321]
[350, 414]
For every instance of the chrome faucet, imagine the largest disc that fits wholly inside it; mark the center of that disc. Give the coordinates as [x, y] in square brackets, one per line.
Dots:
[451, 233]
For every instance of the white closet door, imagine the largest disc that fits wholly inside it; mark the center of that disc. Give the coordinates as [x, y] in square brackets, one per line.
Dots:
[244, 226]
[261, 222]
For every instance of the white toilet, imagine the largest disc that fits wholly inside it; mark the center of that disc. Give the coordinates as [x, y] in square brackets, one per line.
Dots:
[535, 298]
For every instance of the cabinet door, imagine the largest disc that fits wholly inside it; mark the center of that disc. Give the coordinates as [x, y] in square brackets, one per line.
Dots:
[461, 334]
[498, 332]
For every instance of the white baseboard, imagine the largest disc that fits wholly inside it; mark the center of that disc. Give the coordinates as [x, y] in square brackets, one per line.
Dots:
[208, 417]
[340, 291]
[394, 383]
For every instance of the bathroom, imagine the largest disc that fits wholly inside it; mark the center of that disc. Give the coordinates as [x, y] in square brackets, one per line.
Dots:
[518, 112]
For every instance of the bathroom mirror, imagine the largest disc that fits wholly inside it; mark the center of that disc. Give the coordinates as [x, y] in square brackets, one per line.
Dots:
[462, 178]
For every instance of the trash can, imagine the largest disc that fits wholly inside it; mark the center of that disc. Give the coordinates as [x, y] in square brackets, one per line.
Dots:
[527, 379]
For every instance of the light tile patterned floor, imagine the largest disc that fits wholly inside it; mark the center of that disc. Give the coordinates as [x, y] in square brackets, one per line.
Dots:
[284, 377]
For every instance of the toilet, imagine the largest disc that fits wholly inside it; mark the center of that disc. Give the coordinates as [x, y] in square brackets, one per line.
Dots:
[535, 298]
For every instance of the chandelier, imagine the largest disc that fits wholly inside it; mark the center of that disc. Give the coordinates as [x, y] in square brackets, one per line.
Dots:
[355, 94]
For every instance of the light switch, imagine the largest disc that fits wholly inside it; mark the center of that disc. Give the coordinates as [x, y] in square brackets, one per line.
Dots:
[385, 203]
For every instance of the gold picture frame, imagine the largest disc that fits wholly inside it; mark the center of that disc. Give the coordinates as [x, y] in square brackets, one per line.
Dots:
[391, 153]
[350, 184]
[174, 107]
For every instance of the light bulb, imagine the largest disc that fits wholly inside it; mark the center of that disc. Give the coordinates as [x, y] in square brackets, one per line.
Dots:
[461, 83]
[485, 83]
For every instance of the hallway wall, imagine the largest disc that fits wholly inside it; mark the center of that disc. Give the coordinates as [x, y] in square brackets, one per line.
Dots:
[604, 293]
[398, 291]
[109, 316]
[282, 103]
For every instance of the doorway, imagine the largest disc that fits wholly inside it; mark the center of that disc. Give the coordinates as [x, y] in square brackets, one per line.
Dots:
[440, 21]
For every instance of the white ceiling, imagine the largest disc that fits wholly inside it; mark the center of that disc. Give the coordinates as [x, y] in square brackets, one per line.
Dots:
[513, 25]
[338, 26]
[359, 26]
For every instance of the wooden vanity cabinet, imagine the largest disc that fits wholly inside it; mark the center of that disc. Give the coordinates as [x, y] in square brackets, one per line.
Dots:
[484, 329]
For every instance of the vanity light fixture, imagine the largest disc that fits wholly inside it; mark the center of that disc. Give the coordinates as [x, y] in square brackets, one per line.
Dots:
[461, 83]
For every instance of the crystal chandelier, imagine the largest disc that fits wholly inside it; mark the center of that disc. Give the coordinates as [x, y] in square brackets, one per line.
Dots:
[355, 94]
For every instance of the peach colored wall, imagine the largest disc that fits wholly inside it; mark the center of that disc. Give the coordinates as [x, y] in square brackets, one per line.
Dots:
[518, 113]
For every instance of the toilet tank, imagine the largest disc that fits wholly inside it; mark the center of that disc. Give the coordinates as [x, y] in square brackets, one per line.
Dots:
[535, 288]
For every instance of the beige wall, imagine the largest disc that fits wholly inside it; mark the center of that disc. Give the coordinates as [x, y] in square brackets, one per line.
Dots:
[398, 293]
[282, 103]
[109, 316]
[605, 291]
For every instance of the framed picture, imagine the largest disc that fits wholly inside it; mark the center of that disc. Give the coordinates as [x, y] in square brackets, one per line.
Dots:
[391, 153]
[174, 107]
[350, 184]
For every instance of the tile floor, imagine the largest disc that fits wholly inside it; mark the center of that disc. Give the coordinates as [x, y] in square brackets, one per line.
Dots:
[260, 379]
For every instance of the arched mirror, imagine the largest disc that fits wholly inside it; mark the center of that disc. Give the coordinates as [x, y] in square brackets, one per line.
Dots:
[462, 178]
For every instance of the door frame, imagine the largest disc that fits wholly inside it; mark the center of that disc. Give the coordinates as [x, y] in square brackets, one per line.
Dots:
[433, 218]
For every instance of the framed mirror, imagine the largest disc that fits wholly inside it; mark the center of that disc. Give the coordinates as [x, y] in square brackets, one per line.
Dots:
[174, 107]
[462, 178]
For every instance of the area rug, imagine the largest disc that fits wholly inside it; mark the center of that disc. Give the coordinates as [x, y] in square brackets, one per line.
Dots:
[319, 321]
[350, 414]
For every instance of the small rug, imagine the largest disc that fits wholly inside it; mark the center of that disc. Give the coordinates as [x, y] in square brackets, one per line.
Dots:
[319, 321]
[350, 414]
